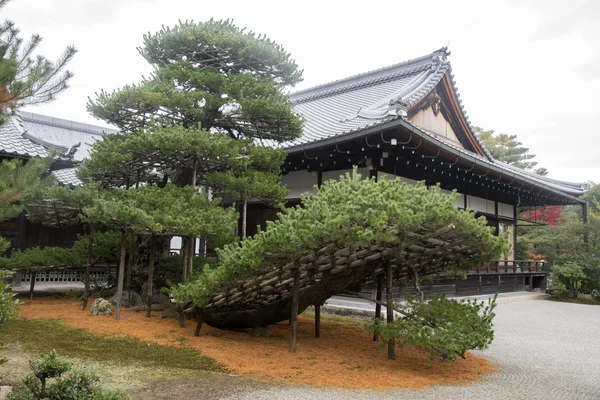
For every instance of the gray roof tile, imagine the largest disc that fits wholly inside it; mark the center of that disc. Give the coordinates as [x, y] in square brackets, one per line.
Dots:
[67, 177]
[63, 134]
[14, 142]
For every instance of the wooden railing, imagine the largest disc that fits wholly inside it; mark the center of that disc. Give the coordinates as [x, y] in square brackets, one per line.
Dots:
[510, 267]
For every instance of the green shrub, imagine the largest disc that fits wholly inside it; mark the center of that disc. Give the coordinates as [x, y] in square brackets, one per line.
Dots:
[77, 385]
[8, 304]
[443, 327]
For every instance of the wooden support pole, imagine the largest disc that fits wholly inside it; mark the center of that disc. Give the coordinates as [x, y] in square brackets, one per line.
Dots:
[199, 324]
[378, 297]
[294, 316]
[317, 320]
[191, 255]
[184, 257]
[130, 263]
[150, 279]
[180, 310]
[390, 309]
[121, 275]
[88, 266]
[32, 276]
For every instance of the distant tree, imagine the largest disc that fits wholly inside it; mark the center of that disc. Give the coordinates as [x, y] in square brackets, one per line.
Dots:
[26, 78]
[508, 149]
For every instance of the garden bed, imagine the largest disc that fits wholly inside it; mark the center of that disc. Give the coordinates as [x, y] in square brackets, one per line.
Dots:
[345, 355]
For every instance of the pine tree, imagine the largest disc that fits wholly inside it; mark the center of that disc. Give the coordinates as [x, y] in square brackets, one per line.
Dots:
[26, 78]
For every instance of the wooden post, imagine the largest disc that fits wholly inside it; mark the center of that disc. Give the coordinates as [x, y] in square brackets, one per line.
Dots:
[184, 257]
[317, 320]
[191, 255]
[378, 297]
[499, 280]
[244, 217]
[121, 275]
[199, 324]
[32, 276]
[130, 262]
[150, 278]
[86, 277]
[294, 316]
[390, 309]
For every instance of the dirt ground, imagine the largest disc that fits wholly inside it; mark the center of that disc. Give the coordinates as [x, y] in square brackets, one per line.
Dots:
[344, 357]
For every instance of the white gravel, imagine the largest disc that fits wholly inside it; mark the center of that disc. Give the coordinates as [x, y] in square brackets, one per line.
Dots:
[545, 350]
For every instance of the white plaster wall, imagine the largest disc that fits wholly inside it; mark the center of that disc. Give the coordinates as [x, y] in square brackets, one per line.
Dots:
[506, 210]
[299, 182]
[481, 205]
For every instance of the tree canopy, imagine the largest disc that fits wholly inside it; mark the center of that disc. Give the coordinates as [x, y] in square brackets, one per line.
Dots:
[212, 75]
[508, 149]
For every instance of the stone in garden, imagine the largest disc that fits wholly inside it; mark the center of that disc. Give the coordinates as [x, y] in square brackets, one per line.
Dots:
[101, 307]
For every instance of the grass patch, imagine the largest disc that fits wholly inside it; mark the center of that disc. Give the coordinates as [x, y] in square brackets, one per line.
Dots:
[47, 335]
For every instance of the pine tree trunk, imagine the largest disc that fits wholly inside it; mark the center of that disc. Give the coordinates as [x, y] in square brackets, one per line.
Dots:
[130, 267]
[120, 276]
[294, 316]
[184, 256]
[150, 278]
[244, 217]
[191, 255]
[86, 279]
[390, 309]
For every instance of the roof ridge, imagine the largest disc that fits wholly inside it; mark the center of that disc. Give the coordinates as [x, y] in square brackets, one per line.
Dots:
[366, 78]
[64, 123]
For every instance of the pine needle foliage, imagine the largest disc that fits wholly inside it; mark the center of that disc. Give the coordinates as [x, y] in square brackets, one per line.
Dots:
[170, 211]
[18, 180]
[26, 78]
[443, 327]
[353, 211]
[212, 75]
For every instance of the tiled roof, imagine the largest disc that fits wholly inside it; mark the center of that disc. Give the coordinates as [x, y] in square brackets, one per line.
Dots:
[364, 102]
[63, 133]
[67, 177]
[368, 99]
[13, 141]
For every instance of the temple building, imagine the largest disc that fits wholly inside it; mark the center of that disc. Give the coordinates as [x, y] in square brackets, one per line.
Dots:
[405, 120]
[26, 135]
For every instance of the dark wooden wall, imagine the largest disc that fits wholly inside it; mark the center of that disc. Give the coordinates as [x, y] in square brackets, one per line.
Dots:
[24, 234]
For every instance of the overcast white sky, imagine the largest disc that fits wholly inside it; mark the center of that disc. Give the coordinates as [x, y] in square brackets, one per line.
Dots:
[530, 68]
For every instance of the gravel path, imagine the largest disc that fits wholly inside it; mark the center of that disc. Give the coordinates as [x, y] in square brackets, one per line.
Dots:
[545, 350]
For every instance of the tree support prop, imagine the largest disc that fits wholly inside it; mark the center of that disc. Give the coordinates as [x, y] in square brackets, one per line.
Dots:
[378, 297]
[294, 316]
[121, 275]
[86, 279]
[199, 324]
[317, 320]
[150, 279]
[32, 276]
[390, 310]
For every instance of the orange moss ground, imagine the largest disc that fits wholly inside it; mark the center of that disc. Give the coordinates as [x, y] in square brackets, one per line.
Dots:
[345, 355]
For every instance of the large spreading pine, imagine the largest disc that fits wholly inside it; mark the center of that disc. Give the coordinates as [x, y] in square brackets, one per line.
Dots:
[212, 81]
